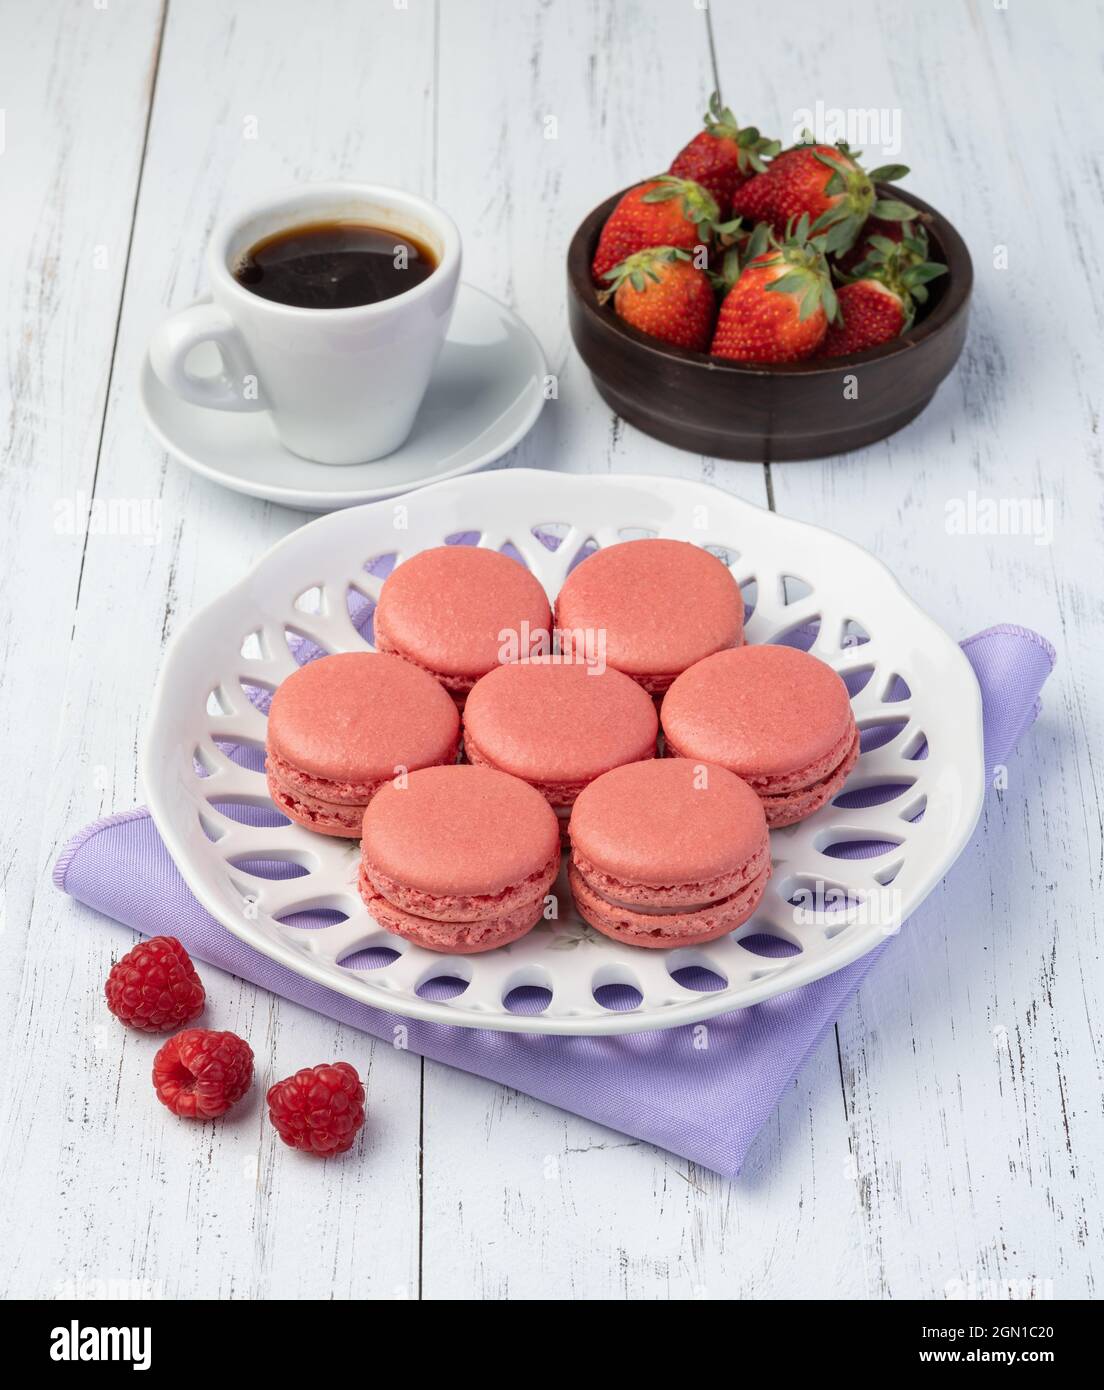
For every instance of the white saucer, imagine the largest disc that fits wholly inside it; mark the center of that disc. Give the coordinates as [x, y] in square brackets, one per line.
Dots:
[484, 396]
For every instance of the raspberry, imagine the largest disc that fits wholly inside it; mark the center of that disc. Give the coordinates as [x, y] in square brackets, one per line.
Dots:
[319, 1109]
[155, 986]
[200, 1073]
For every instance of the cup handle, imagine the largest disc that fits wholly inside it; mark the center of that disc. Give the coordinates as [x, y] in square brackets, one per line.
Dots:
[227, 389]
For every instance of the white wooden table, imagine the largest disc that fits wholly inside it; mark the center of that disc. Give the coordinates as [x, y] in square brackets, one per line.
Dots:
[951, 1129]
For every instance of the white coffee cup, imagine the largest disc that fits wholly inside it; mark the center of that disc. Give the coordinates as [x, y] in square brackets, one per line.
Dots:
[342, 385]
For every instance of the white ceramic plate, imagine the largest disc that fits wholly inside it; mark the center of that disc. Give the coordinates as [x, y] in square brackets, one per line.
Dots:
[919, 703]
[484, 397]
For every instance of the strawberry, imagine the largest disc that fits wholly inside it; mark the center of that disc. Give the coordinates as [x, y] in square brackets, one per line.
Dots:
[779, 308]
[880, 304]
[724, 155]
[664, 211]
[662, 293]
[826, 183]
[871, 314]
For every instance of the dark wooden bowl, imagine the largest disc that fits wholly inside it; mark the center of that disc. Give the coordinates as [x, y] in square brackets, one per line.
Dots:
[799, 410]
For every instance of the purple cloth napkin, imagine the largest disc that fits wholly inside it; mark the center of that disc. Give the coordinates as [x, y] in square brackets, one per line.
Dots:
[703, 1104]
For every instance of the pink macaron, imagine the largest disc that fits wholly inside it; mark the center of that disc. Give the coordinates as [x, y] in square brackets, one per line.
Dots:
[668, 853]
[458, 859]
[775, 716]
[558, 724]
[458, 611]
[341, 726]
[657, 605]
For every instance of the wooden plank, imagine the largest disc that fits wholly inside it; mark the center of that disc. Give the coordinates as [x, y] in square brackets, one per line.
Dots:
[71, 135]
[249, 97]
[971, 1066]
[74, 92]
[521, 1200]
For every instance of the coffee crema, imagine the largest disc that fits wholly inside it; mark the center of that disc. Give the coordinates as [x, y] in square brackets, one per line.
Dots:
[334, 265]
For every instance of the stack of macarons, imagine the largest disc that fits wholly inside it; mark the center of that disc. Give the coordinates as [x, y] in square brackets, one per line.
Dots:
[483, 735]
[342, 726]
[458, 859]
[775, 716]
[668, 853]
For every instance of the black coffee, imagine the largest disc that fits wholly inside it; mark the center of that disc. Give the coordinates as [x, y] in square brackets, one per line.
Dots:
[334, 265]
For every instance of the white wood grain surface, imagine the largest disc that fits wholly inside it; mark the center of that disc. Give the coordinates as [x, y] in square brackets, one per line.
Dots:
[951, 1127]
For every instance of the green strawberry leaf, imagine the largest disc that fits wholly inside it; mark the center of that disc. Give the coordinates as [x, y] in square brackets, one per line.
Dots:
[810, 303]
[730, 270]
[890, 210]
[758, 242]
[840, 236]
[830, 160]
[827, 219]
[929, 270]
[789, 283]
[889, 173]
